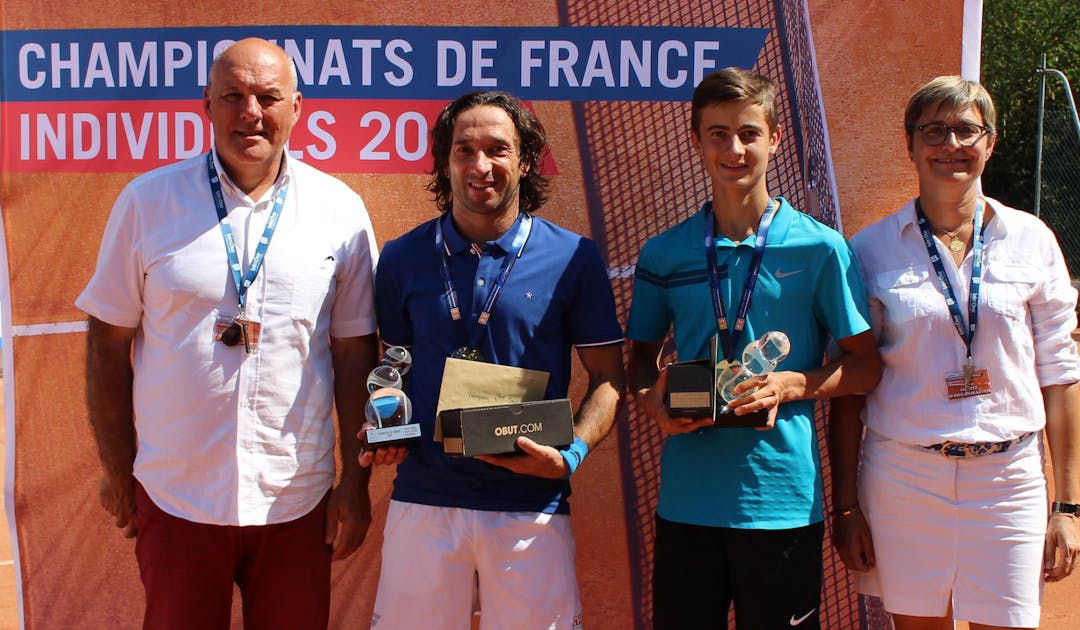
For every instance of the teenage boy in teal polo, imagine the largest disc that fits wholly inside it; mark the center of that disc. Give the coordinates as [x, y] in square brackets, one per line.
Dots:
[740, 517]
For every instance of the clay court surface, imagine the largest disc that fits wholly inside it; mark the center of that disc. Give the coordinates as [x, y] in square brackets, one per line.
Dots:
[1059, 613]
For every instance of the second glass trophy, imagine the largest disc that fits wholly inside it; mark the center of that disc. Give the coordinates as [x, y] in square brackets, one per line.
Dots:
[388, 408]
[760, 357]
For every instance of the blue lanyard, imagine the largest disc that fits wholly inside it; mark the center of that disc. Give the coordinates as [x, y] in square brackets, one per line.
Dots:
[966, 333]
[516, 249]
[729, 341]
[243, 283]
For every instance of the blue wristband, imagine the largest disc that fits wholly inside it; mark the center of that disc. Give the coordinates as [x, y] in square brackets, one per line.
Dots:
[574, 455]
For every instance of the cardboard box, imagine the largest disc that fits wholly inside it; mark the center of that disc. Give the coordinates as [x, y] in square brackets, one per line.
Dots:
[494, 430]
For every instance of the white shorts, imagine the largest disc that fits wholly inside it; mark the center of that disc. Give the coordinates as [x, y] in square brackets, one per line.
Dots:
[963, 531]
[430, 555]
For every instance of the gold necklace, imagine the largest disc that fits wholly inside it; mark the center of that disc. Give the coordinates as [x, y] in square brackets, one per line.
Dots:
[955, 244]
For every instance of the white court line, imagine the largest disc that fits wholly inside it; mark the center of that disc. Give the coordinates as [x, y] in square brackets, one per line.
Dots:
[34, 330]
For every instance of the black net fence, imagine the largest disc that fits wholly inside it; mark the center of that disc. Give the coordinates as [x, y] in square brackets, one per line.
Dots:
[1059, 188]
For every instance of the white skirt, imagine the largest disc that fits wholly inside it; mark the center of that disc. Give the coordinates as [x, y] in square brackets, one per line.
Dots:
[968, 532]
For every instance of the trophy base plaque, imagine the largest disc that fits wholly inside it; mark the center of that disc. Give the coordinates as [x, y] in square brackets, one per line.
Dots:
[407, 435]
[494, 430]
[689, 389]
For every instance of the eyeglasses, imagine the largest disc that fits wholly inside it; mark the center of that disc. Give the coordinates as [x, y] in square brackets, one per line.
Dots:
[935, 134]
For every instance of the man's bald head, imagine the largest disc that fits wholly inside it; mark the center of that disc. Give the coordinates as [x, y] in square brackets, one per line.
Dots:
[256, 46]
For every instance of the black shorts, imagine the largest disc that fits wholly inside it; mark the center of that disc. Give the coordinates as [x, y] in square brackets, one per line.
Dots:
[772, 576]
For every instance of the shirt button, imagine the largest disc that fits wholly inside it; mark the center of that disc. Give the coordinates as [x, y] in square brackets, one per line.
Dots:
[480, 282]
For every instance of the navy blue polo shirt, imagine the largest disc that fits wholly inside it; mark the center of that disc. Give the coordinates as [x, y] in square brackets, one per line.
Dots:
[557, 296]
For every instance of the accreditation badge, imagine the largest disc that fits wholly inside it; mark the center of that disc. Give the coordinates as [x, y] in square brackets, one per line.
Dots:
[239, 330]
[968, 382]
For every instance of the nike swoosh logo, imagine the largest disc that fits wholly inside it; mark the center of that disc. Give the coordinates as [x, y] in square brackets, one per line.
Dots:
[794, 622]
[780, 275]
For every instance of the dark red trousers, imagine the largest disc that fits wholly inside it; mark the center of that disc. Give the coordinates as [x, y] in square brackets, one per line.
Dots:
[188, 571]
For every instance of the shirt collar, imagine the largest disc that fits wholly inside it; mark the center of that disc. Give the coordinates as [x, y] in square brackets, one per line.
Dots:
[997, 227]
[230, 187]
[906, 219]
[456, 243]
[781, 223]
[999, 224]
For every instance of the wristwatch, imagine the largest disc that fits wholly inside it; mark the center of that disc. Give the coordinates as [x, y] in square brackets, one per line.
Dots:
[1065, 508]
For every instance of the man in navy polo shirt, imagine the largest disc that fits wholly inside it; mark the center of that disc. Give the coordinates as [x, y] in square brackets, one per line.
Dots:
[740, 514]
[542, 290]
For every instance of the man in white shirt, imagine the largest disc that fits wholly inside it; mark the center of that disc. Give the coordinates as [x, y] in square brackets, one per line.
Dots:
[218, 346]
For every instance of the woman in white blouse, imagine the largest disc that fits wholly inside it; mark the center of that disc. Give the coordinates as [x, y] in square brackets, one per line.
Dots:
[973, 311]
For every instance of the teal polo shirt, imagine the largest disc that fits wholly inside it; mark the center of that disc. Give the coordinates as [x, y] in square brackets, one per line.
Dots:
[810, 288]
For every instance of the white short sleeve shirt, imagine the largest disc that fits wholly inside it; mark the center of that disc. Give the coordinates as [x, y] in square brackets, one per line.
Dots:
[225, 437]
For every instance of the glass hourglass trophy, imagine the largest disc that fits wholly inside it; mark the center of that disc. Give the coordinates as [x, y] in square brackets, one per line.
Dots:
[760, 357]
